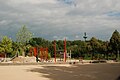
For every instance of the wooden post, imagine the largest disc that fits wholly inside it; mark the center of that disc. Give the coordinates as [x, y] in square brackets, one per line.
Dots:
[35, 51]
[55, 50]
[65, 50]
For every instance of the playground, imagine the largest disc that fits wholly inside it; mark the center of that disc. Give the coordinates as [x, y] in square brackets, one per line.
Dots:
[38, 66]
[39, 54]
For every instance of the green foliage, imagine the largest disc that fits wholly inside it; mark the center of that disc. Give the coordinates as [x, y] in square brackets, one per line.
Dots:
[94, 44]
[16, 46]
[40, 42]
[24, 35]
[49, 56]
[115, 43]
[1, 49]
[115, 40]
[6, 45]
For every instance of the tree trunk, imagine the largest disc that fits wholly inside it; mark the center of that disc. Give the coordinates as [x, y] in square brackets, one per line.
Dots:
[98, 56]
[107, 55]
[17, 53]
[23, 53]
[5, 57]
[92, 55]
[118, 55]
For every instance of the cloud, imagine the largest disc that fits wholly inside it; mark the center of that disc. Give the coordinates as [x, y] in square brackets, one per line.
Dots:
[61, 18]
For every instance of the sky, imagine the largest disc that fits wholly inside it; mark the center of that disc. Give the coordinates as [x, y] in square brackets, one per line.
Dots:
[59, 19]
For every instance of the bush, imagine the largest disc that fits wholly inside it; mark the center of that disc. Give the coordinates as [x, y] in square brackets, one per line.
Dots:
[49, 56]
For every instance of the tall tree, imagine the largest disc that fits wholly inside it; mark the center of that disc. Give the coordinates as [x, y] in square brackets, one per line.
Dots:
[6, 45]
[115, 42]
[23, 36]
[95, 45]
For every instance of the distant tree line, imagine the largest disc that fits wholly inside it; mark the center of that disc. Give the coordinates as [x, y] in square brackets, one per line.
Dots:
[89, 49]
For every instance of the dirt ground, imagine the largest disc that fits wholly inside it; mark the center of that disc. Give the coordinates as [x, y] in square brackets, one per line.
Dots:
[61, 72]
[81, 72]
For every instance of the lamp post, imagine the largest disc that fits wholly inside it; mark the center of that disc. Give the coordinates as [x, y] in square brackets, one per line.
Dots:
[85, 37]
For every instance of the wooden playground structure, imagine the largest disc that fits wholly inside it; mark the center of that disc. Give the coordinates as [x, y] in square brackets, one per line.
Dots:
[64, 52]
[42, 53]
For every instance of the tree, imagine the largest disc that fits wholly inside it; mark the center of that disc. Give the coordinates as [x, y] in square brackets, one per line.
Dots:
[40, 42]
[115, 43]
[23, 36]
[95, 45]
[6, 45]
[16, 48]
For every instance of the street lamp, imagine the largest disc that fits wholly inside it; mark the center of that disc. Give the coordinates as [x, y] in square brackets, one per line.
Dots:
[85, 37]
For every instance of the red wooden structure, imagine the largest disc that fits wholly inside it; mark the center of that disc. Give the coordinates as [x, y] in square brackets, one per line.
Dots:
[42, 53]
[35, 51]
[64, 50]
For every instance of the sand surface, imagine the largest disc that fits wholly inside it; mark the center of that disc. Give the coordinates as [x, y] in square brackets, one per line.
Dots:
[61, 72]
[20, 73]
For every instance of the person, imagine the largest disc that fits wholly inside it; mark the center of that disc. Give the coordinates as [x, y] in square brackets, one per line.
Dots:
[37, 58]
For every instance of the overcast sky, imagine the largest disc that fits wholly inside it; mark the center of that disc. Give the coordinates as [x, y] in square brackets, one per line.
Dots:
[56, 19]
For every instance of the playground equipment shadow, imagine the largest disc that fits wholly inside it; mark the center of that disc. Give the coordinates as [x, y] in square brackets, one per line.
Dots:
[81, 72]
